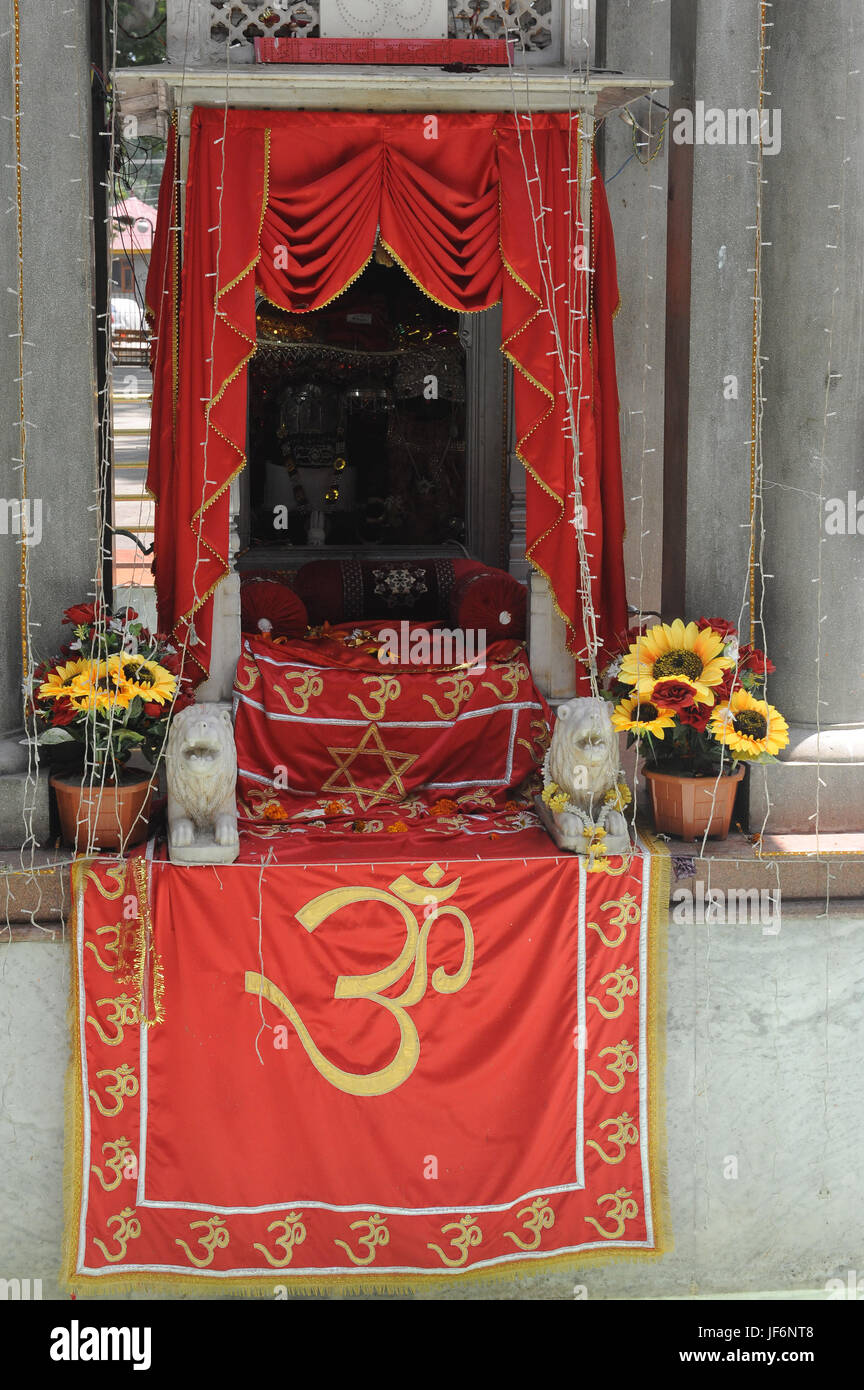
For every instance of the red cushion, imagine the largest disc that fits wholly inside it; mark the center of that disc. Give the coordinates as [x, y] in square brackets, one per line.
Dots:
[269, 607]
[491, 600]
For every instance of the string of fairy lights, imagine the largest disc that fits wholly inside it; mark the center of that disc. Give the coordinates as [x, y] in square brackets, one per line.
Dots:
[569, 360]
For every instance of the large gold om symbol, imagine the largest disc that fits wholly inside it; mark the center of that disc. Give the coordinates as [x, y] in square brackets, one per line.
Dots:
[624, 1060]
[627, 914]
[293, 1233]
[388, 689]
[216, 1238]
[402, 892]
[538, 1218]
[625, 984]
[128, 1228]
[125, 1084]
[469, 1233]
[376, 1234]
[625, 1133]
[623, 1209]
[309, 686]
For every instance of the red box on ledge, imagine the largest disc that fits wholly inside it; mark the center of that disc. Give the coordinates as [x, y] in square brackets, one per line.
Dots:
[489, 52]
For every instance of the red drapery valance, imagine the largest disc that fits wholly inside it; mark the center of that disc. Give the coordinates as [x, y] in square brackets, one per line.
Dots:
[476, 208]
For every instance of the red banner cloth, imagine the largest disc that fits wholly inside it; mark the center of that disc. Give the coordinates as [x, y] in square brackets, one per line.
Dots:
[324, 732]
[364, 1072]
[475, 207]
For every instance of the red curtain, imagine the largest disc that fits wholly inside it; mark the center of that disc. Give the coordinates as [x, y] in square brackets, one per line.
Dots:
[474, 207]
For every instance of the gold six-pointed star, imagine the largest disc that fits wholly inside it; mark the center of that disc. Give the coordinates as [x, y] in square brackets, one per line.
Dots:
[370, 746]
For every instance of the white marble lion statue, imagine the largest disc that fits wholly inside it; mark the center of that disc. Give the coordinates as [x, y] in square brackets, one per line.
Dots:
[201, 772]
[582, 763]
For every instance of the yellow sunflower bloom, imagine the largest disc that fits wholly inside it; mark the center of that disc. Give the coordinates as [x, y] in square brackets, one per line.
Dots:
[748, 726]
[97, 688]
[680, 651]
[60, 679]
[635, 716]
[145, 678]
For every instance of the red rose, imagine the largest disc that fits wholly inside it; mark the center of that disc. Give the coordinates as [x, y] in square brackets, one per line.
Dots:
[81, 614]
[752, 659]
[171, 663]
[183, 700]
[671, 693]
[696, 716]
[720, 626]
[723, 691]
[153, 710]
[63, 712]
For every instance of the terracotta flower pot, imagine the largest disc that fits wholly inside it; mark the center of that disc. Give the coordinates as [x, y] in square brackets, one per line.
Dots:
[113, 816]
[688, 806]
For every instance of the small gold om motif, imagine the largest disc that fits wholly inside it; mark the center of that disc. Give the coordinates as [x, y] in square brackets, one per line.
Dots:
[624, 1061]
[627, 913]
[538, 1218]
[625, 984]
[388, 688]
[117, 1163]
[622, 1210]
[216, 1237]
[460, 691]
[123, 1015]
[128, 1228]
[376, 1234]
[125, 1084]
[306, 688]
[624, 1133]
[293, 1233]
[469, 1233]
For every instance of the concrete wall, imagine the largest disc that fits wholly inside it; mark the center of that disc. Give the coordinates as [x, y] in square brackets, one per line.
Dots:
[763, 1042]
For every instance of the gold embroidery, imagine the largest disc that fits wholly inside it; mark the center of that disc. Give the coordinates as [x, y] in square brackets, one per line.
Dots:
[469, 1234]
[397, 764]
[251, 674]
[112, 948]
[388, 689]
[460, 691]
[625, 1133]
[126, 1084]
[623, 1209]
[124, 1014]
[308, 688]
[216, 1237]
[117, 873]
[626, 984]
[512, 676]
[539, 1217]
[117, 1162]
[129, 1228]
[624, 1061]
[627, 914]
[293, 1233]
[402, 892]
[376, 1234]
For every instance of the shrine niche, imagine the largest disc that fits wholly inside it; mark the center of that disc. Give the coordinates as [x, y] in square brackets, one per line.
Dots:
[357, 421]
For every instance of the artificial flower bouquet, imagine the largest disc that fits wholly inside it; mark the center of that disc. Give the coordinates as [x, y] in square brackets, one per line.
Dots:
[692, 696]
[113, 688]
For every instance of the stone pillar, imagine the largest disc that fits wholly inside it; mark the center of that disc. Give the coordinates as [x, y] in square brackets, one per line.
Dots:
[59, 359]
[813, 337]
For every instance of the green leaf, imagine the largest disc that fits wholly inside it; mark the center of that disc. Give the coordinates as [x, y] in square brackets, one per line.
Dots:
[56, 736]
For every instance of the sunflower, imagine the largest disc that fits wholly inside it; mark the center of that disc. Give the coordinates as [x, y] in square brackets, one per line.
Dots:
[749, 727]
[692, 657]
[138, 676]
[61, 679]
[97, 687]
[633, 716]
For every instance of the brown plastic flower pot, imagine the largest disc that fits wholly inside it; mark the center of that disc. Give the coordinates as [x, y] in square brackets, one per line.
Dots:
[113, 816]
[688, 807]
